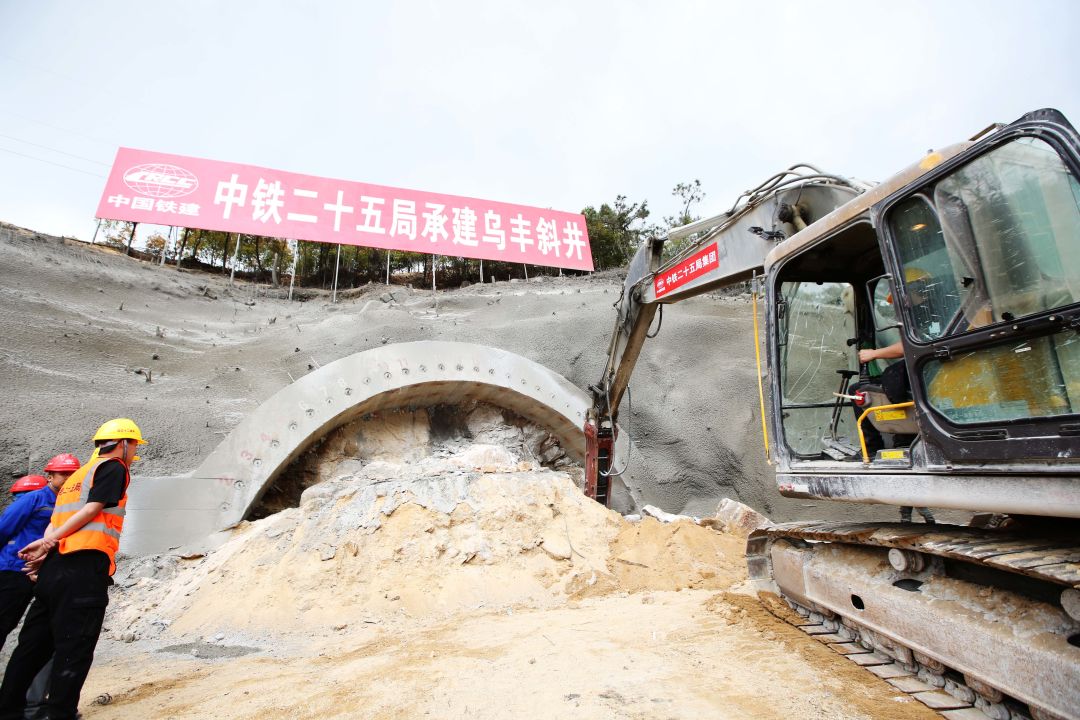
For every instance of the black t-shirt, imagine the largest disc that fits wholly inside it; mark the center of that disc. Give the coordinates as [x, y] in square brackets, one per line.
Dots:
[110, 482]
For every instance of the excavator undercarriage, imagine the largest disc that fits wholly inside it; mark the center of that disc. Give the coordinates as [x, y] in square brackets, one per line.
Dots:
[960, 617]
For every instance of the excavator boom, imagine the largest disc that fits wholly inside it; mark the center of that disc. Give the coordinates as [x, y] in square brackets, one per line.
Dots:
[717, 252]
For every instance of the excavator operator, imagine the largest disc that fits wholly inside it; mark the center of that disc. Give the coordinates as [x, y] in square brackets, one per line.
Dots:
[894, 379]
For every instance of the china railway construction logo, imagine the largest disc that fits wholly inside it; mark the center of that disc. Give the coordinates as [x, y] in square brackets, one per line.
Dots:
[158, 180]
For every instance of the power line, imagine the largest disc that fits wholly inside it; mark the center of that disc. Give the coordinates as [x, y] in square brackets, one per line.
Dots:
[50, 162]
[57, 127]
[52, 149]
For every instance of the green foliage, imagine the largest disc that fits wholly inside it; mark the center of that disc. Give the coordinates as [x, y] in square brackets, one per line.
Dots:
[116, 232]
[689, 194]
[615, 231]
[155, 244]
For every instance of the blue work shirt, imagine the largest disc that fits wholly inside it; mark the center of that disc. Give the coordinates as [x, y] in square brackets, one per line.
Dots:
[24, 521]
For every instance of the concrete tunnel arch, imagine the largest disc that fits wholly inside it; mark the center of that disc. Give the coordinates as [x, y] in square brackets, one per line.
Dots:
[192, 508]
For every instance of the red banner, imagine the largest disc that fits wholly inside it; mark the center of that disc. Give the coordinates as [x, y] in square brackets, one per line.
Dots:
[692, 267]
[162, 189]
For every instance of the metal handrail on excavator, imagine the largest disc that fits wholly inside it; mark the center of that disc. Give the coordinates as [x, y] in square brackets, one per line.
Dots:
[875, 408]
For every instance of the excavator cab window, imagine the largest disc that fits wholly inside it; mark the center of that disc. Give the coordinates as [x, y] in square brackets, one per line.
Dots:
[984, 252]
[931, 290]
[997, 241]
[814, 329]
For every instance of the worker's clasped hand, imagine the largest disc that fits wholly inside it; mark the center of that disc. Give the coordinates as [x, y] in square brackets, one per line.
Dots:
[867, 355]
[34, 554]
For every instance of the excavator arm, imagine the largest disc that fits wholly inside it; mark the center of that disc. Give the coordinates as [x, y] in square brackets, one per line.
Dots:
[726, 249]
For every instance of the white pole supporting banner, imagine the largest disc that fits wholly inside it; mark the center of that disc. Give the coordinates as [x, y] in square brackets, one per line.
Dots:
[236, 254]
[337, 265]
[165, 247]
[295, 245]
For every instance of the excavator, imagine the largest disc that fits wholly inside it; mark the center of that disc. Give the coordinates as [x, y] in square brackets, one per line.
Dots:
[957, 283]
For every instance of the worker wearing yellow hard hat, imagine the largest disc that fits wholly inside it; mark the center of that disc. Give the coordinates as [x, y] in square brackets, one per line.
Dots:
[74, 563]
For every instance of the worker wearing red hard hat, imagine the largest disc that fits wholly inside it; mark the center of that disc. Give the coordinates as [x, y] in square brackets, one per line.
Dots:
[23, 522]
[74, 563]
[63, 464]
[28, 483]
[57, 470]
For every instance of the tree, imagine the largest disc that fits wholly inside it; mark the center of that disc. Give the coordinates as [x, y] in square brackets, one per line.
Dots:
[615, 231]
[183, 244]
[117, 232]
[155, 244]
[689, 194]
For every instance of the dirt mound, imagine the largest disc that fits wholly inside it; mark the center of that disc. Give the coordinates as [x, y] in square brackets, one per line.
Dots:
[511, 538]
[420, 526]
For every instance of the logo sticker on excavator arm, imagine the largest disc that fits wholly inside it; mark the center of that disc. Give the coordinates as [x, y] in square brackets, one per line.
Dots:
[689, 269]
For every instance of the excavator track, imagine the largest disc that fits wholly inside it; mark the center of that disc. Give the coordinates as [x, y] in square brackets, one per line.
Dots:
[878, 593]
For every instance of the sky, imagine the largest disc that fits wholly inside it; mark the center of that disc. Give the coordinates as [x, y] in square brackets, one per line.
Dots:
[552, 104]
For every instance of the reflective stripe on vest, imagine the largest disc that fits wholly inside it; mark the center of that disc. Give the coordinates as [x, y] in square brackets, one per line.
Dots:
[101, 527]
[102, 532]
[77, 506]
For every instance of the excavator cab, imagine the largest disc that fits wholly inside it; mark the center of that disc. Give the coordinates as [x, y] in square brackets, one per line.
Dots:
[966, 268]
[965, 265]
[970, 261]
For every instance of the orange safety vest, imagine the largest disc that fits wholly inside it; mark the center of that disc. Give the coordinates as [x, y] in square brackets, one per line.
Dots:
[102, 533]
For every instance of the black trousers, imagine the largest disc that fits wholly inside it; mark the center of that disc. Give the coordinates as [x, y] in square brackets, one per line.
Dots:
[63, 622]
[16, 592]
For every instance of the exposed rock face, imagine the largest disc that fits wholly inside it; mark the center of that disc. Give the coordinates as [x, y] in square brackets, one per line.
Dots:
[694, 417]
[384, 446]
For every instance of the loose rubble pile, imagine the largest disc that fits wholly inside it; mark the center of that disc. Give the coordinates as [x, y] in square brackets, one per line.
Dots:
[407, 514]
